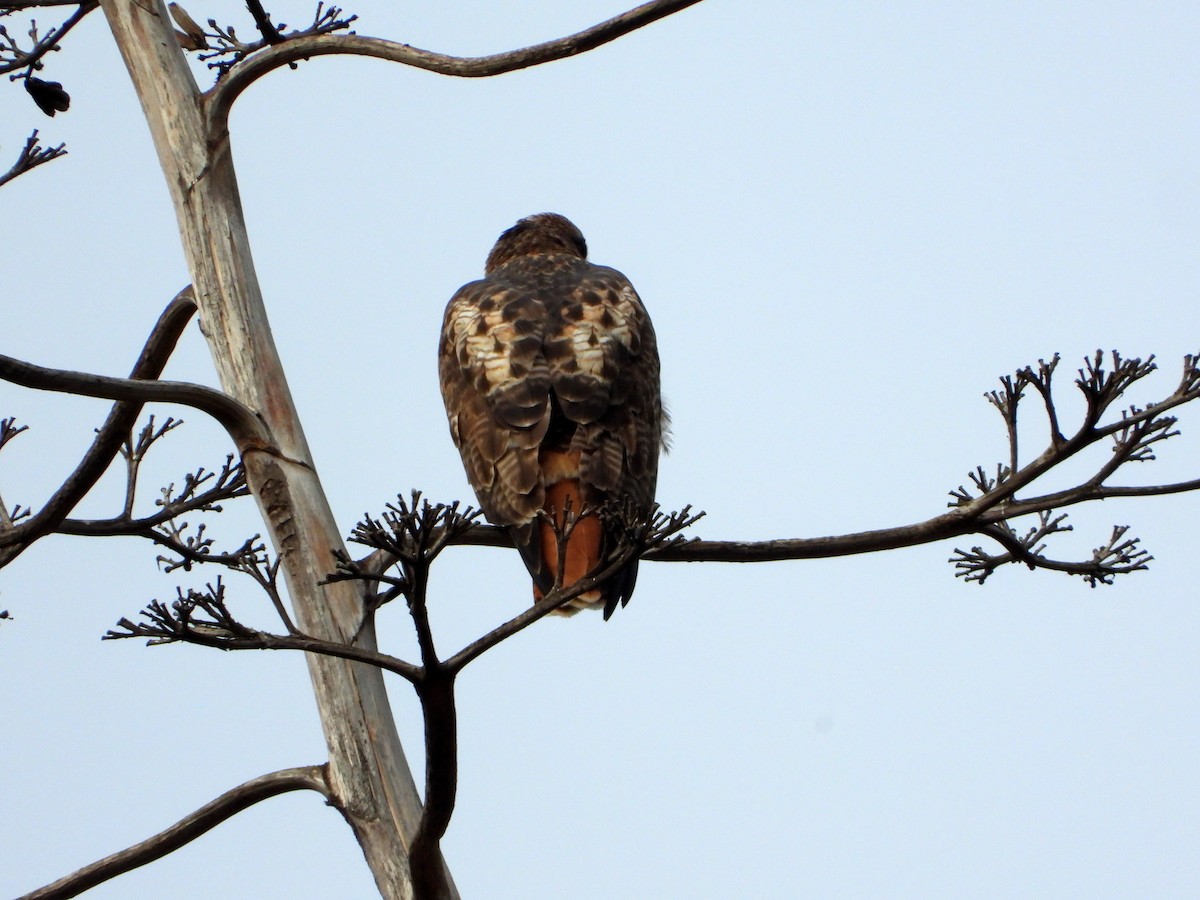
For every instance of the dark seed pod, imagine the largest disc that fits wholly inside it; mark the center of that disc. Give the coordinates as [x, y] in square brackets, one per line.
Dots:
[48, 95]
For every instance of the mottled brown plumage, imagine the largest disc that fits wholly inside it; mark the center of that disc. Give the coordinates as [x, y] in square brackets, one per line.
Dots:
[550, 375]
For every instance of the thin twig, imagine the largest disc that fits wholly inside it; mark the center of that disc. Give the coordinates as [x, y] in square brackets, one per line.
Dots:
[31, 59]
[224, 50]
[556, 599]
[202, 618]
[31, 157]
[266, 573]
[1119, 556]
[165, 527]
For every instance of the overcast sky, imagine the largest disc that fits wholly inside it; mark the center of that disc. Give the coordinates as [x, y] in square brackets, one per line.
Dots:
[847, 220]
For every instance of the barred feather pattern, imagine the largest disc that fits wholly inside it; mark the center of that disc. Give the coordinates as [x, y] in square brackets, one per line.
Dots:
[550, 375]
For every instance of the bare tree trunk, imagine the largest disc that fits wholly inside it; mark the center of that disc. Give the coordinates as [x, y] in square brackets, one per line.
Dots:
[368, 771]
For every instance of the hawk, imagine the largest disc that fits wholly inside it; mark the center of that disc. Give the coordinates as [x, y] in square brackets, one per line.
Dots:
[549, 372]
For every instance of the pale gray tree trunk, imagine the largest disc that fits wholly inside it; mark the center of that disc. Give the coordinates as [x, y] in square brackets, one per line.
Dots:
[369, 775]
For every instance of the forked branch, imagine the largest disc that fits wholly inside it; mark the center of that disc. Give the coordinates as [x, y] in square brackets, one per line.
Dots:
[203, 618]
[1119, 556]
[32, 155]
[202, 491]
[13, 57]
[223, 49]
[410, 535]
[1133, 436]
[110, 437]
[644, 536]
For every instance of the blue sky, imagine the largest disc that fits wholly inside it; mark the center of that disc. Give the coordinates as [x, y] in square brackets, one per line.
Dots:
[847, 220]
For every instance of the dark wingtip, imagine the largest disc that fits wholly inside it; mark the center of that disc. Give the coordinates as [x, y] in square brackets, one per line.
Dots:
[619, 589]
[528, 542]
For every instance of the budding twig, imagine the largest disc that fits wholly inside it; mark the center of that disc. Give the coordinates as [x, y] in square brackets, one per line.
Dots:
[32, 155]
[224, 49]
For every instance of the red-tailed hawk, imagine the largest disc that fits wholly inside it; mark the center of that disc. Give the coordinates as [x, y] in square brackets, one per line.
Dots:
[549, 372]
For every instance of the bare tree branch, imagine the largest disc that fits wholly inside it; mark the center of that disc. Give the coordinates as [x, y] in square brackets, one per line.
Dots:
[12, 57]
[262, 21]
[1119, 556]
[109, 437]
[224, 49]
[656, 535]
[411, 533]
[192, 37]
[189, 548]
[266, 574]
[187, 829]
[948, 525]
[7, 9]
[253, 67]
[229, 484]
[244, 426]
[31, 157]
[9, 430]
[439, 714]
[992, 503]
[203, 618]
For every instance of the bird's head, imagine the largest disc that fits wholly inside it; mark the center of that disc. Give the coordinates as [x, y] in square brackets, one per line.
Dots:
[542, 233]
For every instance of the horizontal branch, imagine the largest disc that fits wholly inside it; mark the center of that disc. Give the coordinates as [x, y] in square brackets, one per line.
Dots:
[241, 76]
[187, 829]
[189, 554]
[244, 426]
[956, 523]
[1134, 433]
[947, 525]
[265, 641]
[121, 526]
